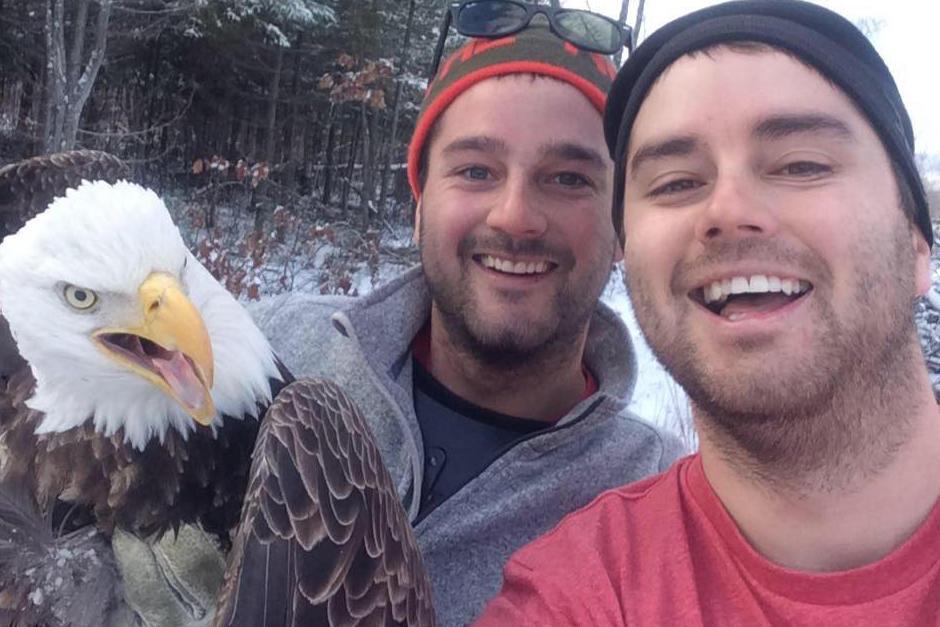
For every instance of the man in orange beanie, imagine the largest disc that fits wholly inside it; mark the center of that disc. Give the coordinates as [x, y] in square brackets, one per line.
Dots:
[495, 383]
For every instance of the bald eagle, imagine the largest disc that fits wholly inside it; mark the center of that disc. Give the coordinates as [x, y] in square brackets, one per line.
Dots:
[142, 380]
[135, 409]
[142, 368]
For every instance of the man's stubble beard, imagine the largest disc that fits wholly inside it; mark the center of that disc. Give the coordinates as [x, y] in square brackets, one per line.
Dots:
[821, 423]
[515, 342]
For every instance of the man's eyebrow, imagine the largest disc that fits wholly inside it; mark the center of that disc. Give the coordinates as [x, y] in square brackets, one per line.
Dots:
[481, 143]
[673, 147]
[571, 151]
[780, 126]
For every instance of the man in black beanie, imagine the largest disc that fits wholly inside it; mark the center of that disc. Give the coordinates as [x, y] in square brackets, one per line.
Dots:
[776, 237]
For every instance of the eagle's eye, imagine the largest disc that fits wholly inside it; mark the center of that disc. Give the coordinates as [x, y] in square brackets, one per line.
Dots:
[79, 297]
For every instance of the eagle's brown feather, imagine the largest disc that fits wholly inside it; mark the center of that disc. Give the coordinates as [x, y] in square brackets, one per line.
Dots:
[27, 187]
[201, 478]
[323, 538]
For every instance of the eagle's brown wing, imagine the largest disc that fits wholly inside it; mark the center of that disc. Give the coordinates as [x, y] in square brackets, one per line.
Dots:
[27, 187]
[81, 476]
[323, 538]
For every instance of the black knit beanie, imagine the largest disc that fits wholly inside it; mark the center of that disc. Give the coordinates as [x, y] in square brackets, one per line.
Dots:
[823, 39]
[533, 50]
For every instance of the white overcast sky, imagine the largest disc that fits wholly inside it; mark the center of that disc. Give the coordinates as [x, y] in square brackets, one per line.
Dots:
[908, 40]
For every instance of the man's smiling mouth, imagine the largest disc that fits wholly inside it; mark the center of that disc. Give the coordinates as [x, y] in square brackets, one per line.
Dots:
[521, 267]
[735, 298]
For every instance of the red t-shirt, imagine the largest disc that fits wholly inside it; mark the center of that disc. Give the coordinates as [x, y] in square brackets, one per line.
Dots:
[663, 551]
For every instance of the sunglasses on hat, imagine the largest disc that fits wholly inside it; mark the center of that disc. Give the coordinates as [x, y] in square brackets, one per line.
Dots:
[491, 19]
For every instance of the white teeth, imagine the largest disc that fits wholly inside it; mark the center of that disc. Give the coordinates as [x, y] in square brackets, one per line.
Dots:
[717, 291]
[714, 291]
[509, 267]
[758, 284]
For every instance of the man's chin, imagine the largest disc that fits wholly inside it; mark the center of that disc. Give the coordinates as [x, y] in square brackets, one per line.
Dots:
[504, 342]
[757, 395]
[517, 336]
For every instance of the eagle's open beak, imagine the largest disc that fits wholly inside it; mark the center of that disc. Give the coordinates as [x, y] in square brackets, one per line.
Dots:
[170, 347]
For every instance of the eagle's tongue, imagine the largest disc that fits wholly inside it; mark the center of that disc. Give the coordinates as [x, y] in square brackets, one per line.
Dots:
[740, 306]
[182, 379]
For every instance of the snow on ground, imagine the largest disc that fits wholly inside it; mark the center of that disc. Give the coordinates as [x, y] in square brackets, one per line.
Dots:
[657, 398]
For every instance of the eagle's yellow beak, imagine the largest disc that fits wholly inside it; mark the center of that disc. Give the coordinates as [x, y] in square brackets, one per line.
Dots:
[170, 347]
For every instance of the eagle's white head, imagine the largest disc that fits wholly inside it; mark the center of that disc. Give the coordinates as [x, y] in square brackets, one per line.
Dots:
[122, 325]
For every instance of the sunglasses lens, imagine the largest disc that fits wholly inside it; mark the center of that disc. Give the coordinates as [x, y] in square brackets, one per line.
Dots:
[589, 30]
[489, 18]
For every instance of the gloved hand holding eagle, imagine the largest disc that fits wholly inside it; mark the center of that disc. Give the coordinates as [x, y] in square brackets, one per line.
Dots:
[136, 422]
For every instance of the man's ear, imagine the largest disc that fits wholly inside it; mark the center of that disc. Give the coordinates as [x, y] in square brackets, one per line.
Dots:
[922, 262]
[416, 236]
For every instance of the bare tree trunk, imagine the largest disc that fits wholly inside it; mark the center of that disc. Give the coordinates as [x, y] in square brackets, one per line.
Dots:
[78, 41]
[55, 74]
[369, 133]
[350, 168]
[154, 57]
[232, 148]
[295, 132]
[37, 106]
[621, 20]
[365, 198]
[272, 106]
[68, 85]
[391, 150]
[270, 139]
[81, 90]
[328, 158]
[639, 20]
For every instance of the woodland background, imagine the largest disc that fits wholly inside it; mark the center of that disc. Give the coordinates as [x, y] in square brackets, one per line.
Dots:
[276, 131]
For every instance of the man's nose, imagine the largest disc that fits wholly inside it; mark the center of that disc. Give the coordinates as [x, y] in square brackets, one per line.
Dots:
[735, 209]
[516, 211]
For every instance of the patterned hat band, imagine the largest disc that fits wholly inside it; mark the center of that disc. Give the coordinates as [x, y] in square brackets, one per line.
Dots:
[534, 50]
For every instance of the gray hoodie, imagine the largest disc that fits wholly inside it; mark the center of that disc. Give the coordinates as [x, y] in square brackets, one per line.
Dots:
[365, 345]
